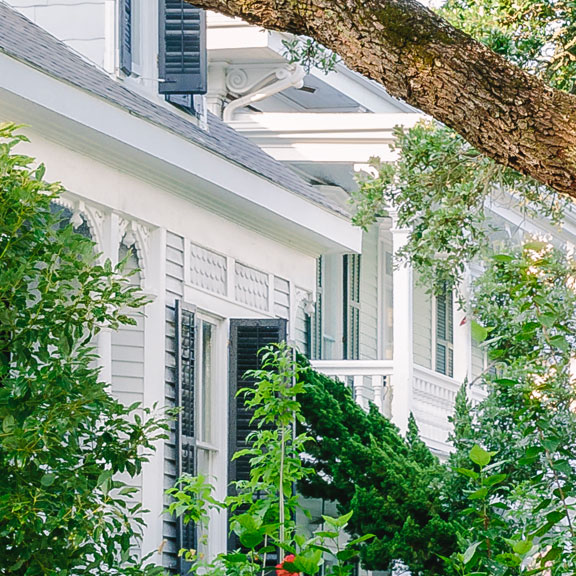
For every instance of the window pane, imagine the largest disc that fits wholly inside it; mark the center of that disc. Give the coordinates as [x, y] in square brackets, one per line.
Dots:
[206, 381]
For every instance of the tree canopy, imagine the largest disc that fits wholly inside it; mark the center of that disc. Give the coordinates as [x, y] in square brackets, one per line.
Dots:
[521, 118]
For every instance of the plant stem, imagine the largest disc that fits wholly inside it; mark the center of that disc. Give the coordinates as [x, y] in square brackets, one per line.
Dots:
[281, 511]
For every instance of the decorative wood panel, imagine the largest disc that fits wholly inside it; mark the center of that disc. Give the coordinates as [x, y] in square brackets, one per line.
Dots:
[208, 270]
[252, 287]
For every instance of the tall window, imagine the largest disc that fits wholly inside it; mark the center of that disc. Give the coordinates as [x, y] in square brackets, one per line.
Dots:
[196, 337]
[444, 350]
[205, 391]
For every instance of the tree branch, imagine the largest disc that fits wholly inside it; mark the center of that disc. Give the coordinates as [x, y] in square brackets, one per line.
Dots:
[502, 111]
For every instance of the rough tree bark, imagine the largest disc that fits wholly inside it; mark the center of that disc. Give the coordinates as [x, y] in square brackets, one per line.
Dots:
[502, 111]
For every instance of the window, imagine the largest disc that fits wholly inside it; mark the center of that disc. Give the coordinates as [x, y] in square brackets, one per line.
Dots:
[196, 337]
[444, 349]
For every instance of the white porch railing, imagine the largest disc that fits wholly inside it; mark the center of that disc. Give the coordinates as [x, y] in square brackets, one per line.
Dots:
[432, 399]
[368, 378]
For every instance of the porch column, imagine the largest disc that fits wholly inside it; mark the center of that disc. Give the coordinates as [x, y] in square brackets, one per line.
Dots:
[402, 378]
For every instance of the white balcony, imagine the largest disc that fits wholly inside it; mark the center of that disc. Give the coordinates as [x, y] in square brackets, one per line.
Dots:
[368, 378]
[432, 396]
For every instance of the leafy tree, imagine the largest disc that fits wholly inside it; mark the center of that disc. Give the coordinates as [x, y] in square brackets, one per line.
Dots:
[63, 438]
[437, 189]
[521, 475]
[391, 484]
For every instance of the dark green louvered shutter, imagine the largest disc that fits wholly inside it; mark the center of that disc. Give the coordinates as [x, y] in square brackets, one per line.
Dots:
[318, 330]
[351, 342]
[125, 35]
[247, 337]
[182, 48]
[444, 333]
[186, 436]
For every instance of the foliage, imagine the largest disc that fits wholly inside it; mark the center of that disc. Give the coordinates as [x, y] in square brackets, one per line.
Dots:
[437, 190]
[391, 484]
[63, 438]
[440, 184]
[262, 512]
[309, 54]
[536, 35]
[522, 482]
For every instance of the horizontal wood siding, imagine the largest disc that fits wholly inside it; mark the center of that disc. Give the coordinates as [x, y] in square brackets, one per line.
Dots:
[281, 297]
[128, 364]
[369, 296]
[174, 291]
[303, 325]
[422, 322]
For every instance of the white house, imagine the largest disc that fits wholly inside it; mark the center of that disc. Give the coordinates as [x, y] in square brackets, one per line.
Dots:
[226, 239]
[240, 228]
[375, 325]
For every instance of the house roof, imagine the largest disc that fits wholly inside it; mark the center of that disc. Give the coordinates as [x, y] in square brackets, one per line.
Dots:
[23, 40]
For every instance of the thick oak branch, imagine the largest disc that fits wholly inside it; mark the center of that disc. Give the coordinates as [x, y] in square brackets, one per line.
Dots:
[502, 111]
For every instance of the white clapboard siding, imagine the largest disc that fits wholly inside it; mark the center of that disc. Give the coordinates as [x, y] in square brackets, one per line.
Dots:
[369, 296]
[128, 362]
[174, 291]
[302, 324]
[281, 298]
[422, 322]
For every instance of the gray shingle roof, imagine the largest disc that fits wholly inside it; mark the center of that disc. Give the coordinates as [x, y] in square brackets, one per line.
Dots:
[25, 41]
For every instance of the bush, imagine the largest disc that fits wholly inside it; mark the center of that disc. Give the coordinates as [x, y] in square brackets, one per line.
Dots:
[63, 438]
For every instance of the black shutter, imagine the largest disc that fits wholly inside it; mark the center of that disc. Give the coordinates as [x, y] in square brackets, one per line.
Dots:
[247, 337]
[125, 35]
[444, 333]
[182, 48]
[351, 344]
[317, 347]
[186, 436]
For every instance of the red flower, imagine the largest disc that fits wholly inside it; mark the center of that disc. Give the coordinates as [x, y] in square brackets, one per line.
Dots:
[281, 571]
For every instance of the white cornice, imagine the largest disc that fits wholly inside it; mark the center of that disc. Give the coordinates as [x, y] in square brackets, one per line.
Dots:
[324, 137]
[92, 126]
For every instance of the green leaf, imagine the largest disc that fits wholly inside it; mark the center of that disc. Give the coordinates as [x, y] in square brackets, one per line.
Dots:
[523, 547]
[503, 258]
[551, 444]
[8, 424]
[308, 562]
[48, 480]
[469, 553]
[552, 554]
[560, 342]
[494, 479]
[466, 472]
[479, 333]
[479, 494]
[479, 456]
[363, 538]
[536, 245]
